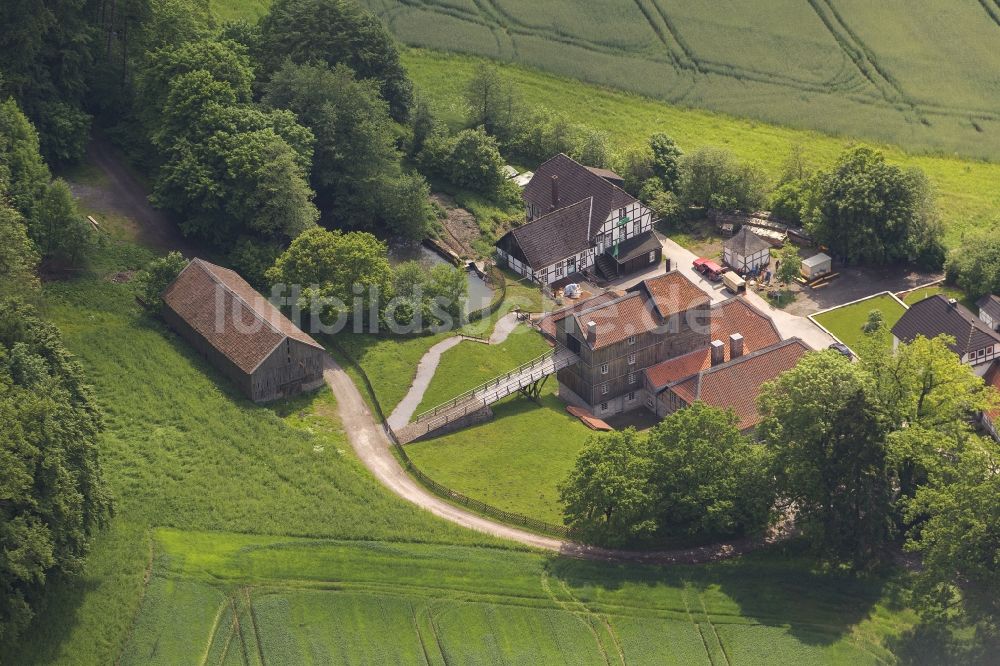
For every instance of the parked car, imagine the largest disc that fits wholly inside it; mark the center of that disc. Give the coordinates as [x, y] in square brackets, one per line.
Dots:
[708, 268]
[843, 349]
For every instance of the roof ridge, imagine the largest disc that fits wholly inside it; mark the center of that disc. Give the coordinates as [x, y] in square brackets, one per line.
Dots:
[756, 353]
[551, 212]
[215, 278]
[591, 173]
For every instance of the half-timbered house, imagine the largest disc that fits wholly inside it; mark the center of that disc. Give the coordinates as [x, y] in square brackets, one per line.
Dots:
[579, 220]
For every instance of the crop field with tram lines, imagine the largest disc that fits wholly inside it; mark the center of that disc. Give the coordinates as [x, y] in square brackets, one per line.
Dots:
[921, 75]
[218, 598]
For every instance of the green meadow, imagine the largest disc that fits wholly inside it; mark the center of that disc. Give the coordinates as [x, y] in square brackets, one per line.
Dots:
[847, 322]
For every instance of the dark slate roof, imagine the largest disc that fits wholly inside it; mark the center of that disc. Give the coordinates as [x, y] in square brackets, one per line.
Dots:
[935, 316]
[990, 304]
[247, 330]
[557, 235]
[576, 183]
[746, 243]
[607, 174]
[636, 246]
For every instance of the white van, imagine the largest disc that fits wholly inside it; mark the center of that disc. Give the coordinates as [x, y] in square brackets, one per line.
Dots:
[734, 282]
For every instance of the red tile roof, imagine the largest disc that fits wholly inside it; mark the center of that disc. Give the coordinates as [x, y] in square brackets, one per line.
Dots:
[736, 384]
[549, 322]
[673, 293]
[734, 315]
[617, 320]
[247, 329]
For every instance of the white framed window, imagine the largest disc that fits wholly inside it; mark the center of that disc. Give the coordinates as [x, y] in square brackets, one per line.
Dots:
[631, 378]
[652, 256]
[604, 389]
[631, 339]
[631, 359]
[982, 353]
[631, 396]
[604, 368]
[604, 406]
[559, 269]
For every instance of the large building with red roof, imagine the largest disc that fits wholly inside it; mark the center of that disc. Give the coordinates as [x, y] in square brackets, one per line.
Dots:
[663, 345]
[242, 333]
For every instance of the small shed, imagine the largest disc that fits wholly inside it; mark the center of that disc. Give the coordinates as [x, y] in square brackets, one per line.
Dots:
[816, 265]
[746, 251]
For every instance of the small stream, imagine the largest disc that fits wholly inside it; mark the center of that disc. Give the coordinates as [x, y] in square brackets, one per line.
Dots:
[480, 293]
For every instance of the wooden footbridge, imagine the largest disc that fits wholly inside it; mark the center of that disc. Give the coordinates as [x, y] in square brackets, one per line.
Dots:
[473, 405]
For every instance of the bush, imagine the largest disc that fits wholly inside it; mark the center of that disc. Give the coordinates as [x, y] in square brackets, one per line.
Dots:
[156, 277]
[712, 177]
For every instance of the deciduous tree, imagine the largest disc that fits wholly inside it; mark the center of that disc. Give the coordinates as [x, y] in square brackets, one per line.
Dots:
[706, 477]
[607, 494]
[336, 32]
[823, 421]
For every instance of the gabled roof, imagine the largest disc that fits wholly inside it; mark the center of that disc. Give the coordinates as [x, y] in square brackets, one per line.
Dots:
[935, 316]
[576, 183]
[247, 329]
[607, 174]
[554, 236]
[746, 243]
[549, 322]
[639, 245]
[672, 293]
[616, 320]
[734, 315]
[736, 384]
[990, 304]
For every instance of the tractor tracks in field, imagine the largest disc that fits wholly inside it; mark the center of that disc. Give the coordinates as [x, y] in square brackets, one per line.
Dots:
[587, 617]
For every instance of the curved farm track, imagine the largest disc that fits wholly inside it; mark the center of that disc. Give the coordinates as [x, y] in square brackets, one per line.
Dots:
[372, 445]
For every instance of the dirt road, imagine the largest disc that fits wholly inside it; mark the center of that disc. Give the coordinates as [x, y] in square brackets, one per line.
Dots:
[126, 195]
[372, 445]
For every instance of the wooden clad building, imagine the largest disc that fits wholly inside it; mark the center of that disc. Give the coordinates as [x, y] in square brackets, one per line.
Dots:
[241, 333]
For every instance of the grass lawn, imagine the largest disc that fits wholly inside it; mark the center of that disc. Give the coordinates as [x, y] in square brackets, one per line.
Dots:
[471, 363]
[846, 322]
[948, 291]
[514, 461]
[182, 449]
[331, 601]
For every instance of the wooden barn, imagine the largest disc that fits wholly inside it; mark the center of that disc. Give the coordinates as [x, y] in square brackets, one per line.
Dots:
[241, 333]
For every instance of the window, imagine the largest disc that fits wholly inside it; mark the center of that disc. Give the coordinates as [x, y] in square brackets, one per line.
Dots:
[631, 378]
[604, 406]
[652, 257]
[559, 269]
[631, 339]
[604, 368]
[982, 353]
[631, 359]
[604, 389]
[631, 396]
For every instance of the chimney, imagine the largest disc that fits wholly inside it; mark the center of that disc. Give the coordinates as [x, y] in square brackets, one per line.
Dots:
[591, 331]
[555, 192]
[735, 346]
[718, 352]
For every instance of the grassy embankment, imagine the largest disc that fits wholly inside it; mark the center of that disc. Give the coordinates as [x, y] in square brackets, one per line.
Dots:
[183, 449]
[967, 193]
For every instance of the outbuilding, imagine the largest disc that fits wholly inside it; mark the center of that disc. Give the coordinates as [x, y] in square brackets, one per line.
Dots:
[816, 265]
[241, 333]
[746, 251]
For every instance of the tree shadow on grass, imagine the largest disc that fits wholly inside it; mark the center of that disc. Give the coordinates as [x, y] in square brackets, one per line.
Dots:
[777, 587]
